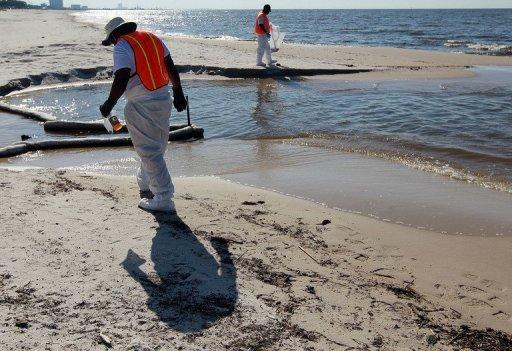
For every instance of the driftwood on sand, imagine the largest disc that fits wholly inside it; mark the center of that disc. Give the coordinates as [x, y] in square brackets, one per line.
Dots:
[188, 132]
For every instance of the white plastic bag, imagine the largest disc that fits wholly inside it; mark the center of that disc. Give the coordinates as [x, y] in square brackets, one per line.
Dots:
[276, 38]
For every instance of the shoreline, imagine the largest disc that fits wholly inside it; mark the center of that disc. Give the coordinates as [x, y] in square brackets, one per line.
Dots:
[483, 222]
[466, 175]
[207, 57]
[377, 74]
[373, 266]
[353, 183]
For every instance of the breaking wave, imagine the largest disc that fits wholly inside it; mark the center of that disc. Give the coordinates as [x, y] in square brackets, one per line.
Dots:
[480, 48]
[453, 162]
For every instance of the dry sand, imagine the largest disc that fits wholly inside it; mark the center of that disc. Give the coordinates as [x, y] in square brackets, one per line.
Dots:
[237, 269]
[35, 42]
[388, 63]
[39, 42]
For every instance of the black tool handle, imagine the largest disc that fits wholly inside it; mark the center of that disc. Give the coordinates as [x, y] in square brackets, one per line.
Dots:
[188, 113]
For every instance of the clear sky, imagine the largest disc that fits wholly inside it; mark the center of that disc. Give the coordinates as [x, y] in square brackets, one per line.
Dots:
[289, 4]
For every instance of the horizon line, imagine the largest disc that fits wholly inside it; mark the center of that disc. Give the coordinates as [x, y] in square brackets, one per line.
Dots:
[305, 8]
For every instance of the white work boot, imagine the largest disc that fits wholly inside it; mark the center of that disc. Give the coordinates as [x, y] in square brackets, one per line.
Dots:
[158, 203]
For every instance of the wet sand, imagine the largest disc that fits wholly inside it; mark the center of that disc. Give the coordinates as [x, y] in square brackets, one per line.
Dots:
[238, 268]
[353, 183]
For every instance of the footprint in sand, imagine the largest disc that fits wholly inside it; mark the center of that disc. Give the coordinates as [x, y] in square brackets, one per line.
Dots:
[496, 300]
[474, 302]
[471, 289]
[491, 284]
[361, 257]
[470, 276]
[487, 283]
[504, 316]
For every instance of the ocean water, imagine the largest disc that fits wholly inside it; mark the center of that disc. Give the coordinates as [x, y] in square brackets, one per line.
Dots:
[471, 31]
[459, 128]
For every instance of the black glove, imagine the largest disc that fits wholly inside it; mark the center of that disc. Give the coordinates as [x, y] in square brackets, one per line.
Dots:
[269, 35]
[107, 107]
[179, 99]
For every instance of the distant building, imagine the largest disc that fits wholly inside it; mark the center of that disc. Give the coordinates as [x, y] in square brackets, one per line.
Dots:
[78, 7]
[56, 4]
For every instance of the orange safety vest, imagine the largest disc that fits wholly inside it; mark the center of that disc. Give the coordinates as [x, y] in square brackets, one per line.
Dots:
[266, 24]
[148, 51]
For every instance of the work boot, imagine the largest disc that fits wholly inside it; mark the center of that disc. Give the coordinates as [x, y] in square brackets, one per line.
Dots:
[158, 203]
[261, 64]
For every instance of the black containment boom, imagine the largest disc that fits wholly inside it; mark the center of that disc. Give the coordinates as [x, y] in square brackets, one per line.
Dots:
[186, 133]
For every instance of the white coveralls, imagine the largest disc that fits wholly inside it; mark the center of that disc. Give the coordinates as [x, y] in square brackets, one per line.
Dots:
[263, 50]
[147, 116]
[263, 44]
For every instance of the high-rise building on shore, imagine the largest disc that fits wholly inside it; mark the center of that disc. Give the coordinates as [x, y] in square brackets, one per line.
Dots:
[56, 4]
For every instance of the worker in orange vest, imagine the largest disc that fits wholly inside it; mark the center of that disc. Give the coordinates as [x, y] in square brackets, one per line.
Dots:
[143, 68]
[262, 30]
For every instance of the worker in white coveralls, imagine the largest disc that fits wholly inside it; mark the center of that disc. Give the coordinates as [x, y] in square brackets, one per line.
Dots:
[143, 68]
[262, 30]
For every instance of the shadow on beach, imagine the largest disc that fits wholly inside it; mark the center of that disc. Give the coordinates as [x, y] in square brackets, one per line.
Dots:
[189, 290]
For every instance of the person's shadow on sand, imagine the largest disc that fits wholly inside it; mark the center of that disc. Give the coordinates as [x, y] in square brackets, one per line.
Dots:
[190, 289]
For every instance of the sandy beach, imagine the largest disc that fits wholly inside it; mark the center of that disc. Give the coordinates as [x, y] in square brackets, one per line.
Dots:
[237, 268]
